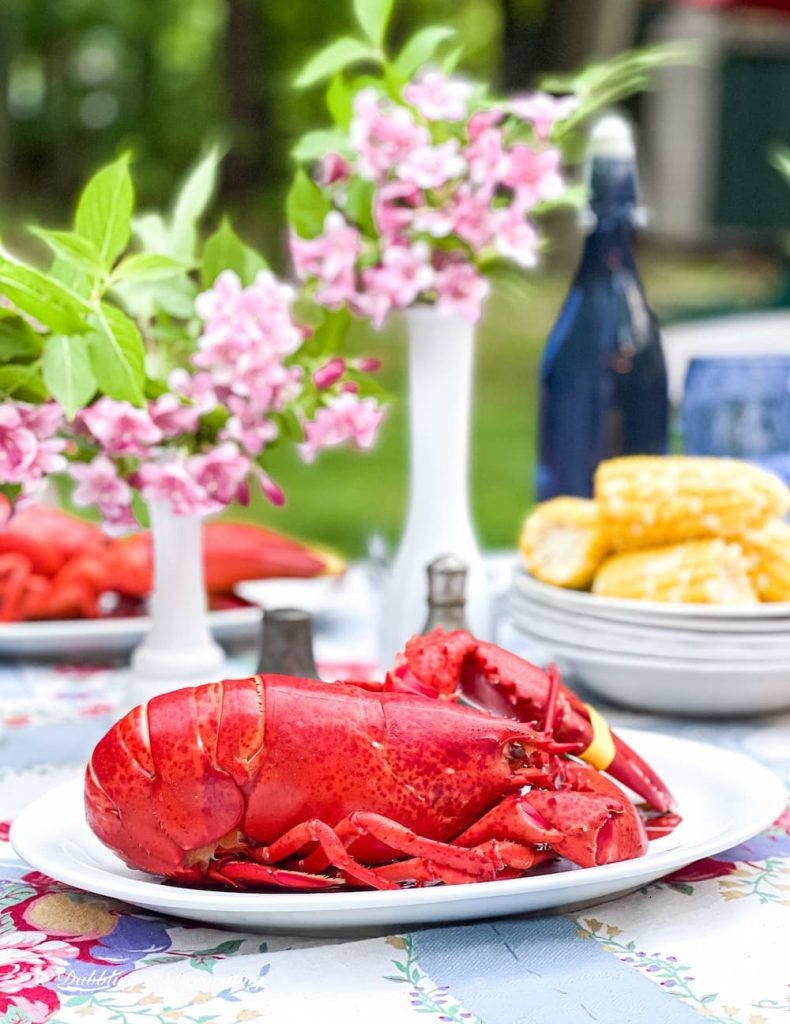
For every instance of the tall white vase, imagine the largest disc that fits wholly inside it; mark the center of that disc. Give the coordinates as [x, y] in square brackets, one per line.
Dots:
[179, 649]
[439, 521]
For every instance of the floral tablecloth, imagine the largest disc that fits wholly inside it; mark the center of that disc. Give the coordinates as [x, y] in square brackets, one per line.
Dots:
[711, 940]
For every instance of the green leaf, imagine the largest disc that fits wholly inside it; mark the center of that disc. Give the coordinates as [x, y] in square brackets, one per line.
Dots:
[359, 204]
[67, 371]
[332, 58]
[316, 144]
[306, 206]
[117, 355]
[23, 382]
[340, 100]
[224, 250]
[73, 249]
[193, 199]
[41, 297]
[329, 334]
[421, 48]
[151, 230]
[18, 340]
[75, 280]
[104, 210]
[146, 266]
[373, 17]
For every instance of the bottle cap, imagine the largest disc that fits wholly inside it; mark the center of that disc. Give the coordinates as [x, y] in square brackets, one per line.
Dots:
[447, 580]
[612, 136]
[287, 643]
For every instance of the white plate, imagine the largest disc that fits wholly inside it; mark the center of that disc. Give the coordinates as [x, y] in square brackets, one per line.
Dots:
[774, 615]
[674, 686]
[724, 797]
[98, 637]
[626, 638]
[317, 595]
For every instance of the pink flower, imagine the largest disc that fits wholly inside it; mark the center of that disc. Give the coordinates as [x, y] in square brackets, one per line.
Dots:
[120, 428]
[26, 453]
[368, 364]
[487, 158]
[382, 134]
[197, 388]
[334, 168]
[30, 959]
[272, 490]
[432, 166]
[543, 110]
[98, 484]
[173, 418]
[248, 425]
[220, 302]
[403, 273]
[533, 175]
[393, 207]
[472, 216]
[345, 418]
[330, 373]
[435, 221]
[44, 420]
[481, 122]
[221, 473]
[331, 258]
[514, 237]
[173, 483]
[437, 97]
[461, 289]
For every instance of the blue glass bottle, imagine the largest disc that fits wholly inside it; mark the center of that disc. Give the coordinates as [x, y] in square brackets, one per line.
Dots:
[603, 381]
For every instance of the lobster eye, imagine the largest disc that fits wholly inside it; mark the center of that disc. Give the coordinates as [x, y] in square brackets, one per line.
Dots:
[516, 753]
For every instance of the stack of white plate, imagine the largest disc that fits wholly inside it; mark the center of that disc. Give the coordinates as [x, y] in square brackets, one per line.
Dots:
[679, 659]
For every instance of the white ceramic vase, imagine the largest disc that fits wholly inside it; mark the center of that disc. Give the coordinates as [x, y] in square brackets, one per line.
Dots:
[439, 520]
[178, 649]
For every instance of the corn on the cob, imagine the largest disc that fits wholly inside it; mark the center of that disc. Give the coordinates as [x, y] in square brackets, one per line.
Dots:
[561, 542]
[651, 501]
[768, 551]
[699, 572]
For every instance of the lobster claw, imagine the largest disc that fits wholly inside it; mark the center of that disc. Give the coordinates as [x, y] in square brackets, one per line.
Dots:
[453, 666]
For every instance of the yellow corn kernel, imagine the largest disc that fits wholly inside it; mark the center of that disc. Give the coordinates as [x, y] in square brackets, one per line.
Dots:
[562, 543]
[768, 551]
[651, 501]
[699, 572]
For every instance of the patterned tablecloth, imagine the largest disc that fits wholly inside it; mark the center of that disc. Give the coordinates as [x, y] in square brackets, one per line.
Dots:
[711, 940]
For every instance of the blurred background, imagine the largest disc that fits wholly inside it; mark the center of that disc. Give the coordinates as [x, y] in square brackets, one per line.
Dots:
[81, 80]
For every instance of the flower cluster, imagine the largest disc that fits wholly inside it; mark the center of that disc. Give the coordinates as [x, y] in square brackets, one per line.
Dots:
[449, 186]
[29, 446]
[197, 445]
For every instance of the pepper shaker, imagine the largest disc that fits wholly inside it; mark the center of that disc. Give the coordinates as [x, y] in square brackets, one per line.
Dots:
[446, 594]
[287, 643]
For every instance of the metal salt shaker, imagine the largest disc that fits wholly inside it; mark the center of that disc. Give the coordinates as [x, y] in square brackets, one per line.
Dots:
[287, 643]
[446, 594]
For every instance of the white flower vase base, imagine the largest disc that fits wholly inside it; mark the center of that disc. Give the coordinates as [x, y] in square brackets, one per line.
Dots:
[438, 522]
[178, 650]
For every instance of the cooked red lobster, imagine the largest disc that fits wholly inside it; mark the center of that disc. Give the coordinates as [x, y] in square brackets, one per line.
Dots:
[56, 566]
[301, 784]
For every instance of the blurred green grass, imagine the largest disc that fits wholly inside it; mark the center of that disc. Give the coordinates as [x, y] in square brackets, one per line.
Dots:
[345, 497]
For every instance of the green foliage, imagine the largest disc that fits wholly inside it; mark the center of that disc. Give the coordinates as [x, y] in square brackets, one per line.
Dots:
[421, 48]
[339, 54]
[373, 17]
[224, 250]
[67, 371]
[41, 297]
[117, 354]
[104, 210]
[306, 206]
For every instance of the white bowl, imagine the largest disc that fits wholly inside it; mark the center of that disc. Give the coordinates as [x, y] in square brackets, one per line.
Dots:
[625, 638]
[677, 686]
[768, 617]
